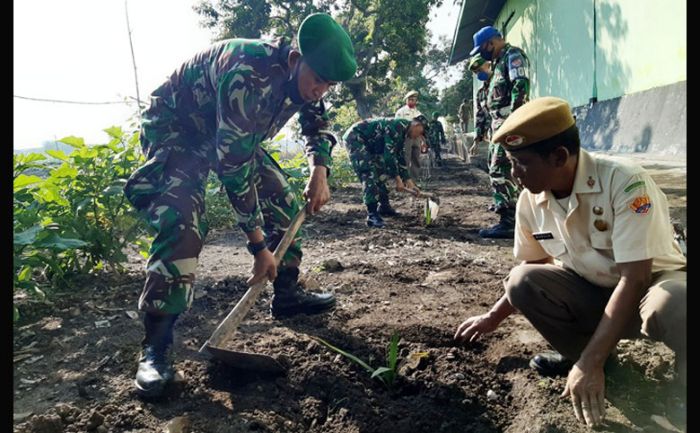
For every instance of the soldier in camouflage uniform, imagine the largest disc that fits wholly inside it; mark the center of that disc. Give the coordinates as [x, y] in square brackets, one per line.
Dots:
[436, 136]
[509, 88]
[482, 120]
[213, 113]
[464, 114]
[376, 148]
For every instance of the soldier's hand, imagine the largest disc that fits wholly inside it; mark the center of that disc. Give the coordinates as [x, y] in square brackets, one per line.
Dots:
[317, 192]
[264, 267]
[399, 184]
[411, 185]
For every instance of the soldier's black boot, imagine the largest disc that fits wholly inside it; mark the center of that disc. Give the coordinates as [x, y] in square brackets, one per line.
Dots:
[289, 298]
[385, 208]
[155, 368]
[373, 217]
[505, 227]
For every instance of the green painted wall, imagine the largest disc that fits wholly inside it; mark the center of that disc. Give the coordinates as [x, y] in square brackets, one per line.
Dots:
[630, 38]
[641, 44]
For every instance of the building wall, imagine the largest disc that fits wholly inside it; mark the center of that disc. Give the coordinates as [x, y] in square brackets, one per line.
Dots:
[630, 54]
[630, 38]
[641, 44]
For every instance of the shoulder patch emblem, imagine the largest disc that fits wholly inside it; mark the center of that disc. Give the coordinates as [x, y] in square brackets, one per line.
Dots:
[641, 204]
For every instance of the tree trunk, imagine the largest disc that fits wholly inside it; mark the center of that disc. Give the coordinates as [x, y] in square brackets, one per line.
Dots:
[364, 107]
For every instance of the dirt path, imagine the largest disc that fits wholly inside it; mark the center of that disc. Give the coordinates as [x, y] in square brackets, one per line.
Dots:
[419, 282]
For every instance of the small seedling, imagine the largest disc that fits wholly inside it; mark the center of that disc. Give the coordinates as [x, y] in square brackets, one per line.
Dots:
[386, 374]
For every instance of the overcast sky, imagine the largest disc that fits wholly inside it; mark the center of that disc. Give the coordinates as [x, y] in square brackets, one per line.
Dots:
[78, 50]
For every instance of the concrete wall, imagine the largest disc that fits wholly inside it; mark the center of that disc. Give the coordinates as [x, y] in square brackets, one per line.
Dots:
[649, 121]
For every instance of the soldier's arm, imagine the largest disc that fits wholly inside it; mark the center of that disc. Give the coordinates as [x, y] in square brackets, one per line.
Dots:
[518, 66]
[237, 103]
[320, 141]
[394, 155]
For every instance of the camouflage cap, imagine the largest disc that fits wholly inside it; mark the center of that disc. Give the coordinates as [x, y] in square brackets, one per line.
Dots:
[327, 48]
[537, 120]
[410, 94]
[475, 62]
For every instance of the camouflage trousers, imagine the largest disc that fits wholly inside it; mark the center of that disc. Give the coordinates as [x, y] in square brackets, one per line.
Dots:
[505, 190]
[370, 171]
[168, 191]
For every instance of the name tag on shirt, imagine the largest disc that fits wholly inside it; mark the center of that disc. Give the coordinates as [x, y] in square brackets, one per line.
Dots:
[540, 236]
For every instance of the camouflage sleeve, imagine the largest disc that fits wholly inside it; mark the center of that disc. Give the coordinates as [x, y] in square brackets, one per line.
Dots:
[518, 75]
[394, 158]
[480, 120]
[237, 100]
[319, 139]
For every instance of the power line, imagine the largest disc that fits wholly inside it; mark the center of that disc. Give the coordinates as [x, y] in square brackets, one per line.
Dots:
[73, 102]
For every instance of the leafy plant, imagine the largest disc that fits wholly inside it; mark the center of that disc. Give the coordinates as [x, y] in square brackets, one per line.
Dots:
[70, 214]
[386, 374]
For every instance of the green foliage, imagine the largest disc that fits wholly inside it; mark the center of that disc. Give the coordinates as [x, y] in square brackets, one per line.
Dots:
[390, 38]
[70, 214]
[219, 213]
[453, 96]
[386, 374]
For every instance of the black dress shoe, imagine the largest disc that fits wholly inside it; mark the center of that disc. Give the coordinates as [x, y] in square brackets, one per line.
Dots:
[551, 364]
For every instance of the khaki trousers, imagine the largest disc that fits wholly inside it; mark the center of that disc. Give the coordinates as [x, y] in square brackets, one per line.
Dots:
[566, 309]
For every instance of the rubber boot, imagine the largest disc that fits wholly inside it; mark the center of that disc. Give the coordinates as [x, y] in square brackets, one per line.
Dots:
[290, 299]
[505, 228]
[155, 366]
[373, 218]
[385, 208]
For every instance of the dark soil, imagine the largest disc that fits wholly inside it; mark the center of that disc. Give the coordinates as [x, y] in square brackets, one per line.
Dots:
[71, 375]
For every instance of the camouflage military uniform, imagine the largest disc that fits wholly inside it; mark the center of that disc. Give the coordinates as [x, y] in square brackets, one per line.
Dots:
[508, 89]
[464, 113]
[482, 119]
[376, 148]
[436, 137]
[213, 113]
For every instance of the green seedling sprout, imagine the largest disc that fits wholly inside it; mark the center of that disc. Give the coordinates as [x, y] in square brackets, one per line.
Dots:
[386, 374]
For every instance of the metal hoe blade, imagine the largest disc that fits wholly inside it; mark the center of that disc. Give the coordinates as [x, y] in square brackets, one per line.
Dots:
[247, 360]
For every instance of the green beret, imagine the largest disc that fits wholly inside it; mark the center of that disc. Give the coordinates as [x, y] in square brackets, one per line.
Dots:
[475, 62]
[327, 48]
[435, 114]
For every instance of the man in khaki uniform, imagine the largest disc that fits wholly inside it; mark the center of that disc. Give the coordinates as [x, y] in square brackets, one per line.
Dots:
[599, 259]
[412, 146]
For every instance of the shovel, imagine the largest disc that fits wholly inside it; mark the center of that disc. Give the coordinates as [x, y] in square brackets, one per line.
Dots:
[247, 360]
[431, 206]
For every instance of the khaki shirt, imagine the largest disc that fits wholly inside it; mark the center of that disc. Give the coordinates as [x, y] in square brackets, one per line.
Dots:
[406, 112]
[617, 214]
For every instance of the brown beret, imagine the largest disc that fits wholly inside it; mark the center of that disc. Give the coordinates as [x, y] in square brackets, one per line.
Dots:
[533, 122]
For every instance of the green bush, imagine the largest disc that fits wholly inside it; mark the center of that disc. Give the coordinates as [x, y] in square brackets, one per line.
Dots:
[70, 213]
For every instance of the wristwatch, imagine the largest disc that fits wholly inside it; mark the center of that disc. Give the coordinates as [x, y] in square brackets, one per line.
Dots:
[255, 247]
